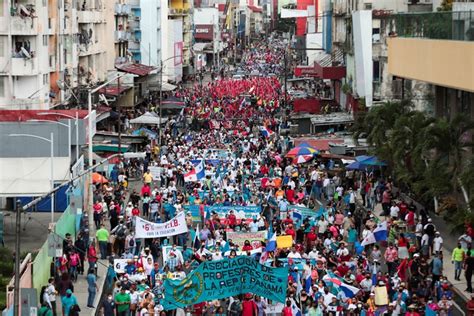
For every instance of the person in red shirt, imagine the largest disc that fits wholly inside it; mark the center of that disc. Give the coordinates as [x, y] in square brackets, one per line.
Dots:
[410, 219]
[470, 306]
[290, 231]
[249, 307]
[311, 238]
[199, 308]
[232, 219]
[288, 220]
[247, 246]
[145, 190]
[287, 311]
[290, 195]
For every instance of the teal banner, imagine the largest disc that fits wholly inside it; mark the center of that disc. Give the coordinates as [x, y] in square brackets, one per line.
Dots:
[224, 278]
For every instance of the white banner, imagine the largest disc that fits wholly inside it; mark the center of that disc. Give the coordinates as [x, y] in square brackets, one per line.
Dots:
[292, 13]
[175, 226]
[155, 173]
[119, 265]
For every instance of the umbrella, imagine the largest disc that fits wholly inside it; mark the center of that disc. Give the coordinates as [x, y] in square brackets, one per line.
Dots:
[362, 162]
[298, 151]
[302, 158]
[98, 178]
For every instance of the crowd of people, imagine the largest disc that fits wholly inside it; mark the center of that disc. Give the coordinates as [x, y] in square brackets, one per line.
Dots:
[357, 248]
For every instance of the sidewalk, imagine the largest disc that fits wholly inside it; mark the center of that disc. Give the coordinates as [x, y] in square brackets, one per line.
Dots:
[80, 289]
[448, 267]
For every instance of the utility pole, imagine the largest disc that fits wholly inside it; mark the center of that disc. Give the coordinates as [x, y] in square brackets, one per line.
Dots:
[17, 259]
[159, 103]
[286, 78]
[119, 110]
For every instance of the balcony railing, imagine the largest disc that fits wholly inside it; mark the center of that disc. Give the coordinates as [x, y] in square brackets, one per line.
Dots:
[122, 9]
[24, 66]
[438, 25]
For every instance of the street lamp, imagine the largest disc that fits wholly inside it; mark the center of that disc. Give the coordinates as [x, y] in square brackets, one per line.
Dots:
[76, 118]
[51, 142]
[68, 125]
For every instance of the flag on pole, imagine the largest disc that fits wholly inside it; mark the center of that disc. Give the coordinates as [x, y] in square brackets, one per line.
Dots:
[197, 239]
[266, 132]
[381, 231]
[370, 239]
[272, 243]
[196, 174]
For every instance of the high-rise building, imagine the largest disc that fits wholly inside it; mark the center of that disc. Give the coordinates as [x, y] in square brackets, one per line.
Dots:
[48, 48]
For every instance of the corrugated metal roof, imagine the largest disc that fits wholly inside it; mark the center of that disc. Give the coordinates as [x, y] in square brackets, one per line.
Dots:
[25, 115]
[114, 90]
[136, 69]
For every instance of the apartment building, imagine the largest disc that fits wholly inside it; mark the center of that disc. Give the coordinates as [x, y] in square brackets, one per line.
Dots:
[48, 48]
[437, 49]
[180, 21]
[360, 31]
[122, 34]
[24, 64]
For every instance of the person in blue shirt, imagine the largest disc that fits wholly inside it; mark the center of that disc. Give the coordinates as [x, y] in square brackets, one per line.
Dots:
[130, 268]
[92, 287]
[68, 301]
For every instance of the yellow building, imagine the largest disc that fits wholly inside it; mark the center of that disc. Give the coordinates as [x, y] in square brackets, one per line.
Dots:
[437, 48]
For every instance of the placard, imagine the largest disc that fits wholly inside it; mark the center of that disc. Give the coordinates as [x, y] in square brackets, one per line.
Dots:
[285, 241]
[255, 239]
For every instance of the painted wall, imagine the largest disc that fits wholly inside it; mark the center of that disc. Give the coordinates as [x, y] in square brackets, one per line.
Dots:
[440, 62]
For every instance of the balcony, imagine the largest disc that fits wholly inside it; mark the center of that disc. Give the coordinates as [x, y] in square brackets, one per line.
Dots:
[178, 12]
[24, 66]
[134, 45]
[121, 36]
[90, 49]
[90, 16]
[24, 26]
[457, 26]
[122, 9]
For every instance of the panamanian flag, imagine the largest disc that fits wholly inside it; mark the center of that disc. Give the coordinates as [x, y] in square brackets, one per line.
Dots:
[196, 174]
[266, 132]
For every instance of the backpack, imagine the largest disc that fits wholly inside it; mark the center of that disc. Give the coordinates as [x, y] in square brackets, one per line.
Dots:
[121, 232]
[131, 243]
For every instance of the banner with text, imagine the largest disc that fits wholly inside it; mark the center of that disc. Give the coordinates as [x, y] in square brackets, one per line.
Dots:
[224, 278]
[175, 226]
[255, 239]
[241, 212]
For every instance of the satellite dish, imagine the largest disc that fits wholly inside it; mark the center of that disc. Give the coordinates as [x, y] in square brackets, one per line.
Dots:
[103, 99]
[25, 52]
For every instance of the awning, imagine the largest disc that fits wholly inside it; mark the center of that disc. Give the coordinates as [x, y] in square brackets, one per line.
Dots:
[255, 9]
[135, 69]
[330, 66]
[306, 71]
[201, 47]
[30, 176]
[155, 86]
[114, 90]
[149, 118]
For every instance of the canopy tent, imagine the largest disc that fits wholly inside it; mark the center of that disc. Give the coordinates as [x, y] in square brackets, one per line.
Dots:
[149, 118]
[166, 87]
[30, 176]
[364, 162]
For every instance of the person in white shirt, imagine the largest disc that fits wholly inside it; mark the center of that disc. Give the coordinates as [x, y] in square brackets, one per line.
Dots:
[293, 254]
[394, 211]
[313, 254]
[437, 243]
[253, 226]
[425, 245]
[342, 251]
[178, 253]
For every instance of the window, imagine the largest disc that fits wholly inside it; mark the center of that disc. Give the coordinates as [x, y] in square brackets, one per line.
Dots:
[51, 57]
[45, 40]
[45, 79]
[376, 71]
[2, 4]
[367, 6]
[2, 46]
[2, 84]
